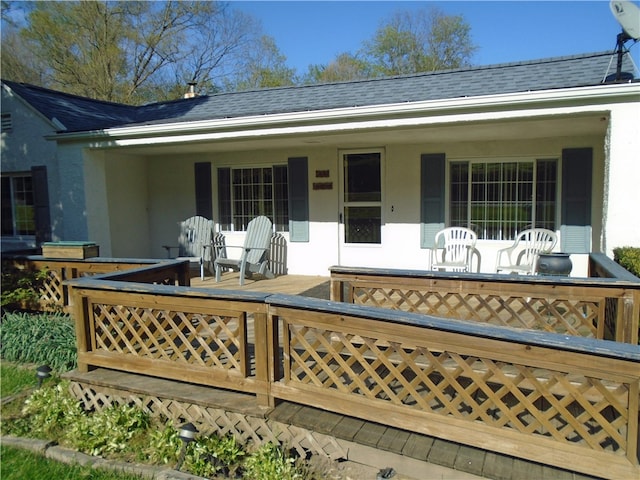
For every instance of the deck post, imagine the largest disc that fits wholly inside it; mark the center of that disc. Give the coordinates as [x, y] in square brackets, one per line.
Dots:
[263, 353]
[337, 290]
[628, 318]
[80, 315]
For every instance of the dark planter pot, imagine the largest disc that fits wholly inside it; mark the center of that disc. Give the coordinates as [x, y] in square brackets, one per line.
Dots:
[558, 264]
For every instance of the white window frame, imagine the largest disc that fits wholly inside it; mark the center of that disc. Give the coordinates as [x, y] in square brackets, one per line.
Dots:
[239, 221]
[501, 234]
[13, 177]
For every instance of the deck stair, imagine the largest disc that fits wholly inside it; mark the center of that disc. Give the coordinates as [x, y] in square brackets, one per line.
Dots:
[306, 429]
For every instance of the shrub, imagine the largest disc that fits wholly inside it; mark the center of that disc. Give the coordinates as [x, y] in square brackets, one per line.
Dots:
[629, 258]
[39, 338]
[107, 431]
[48, 413]
[269, 462]
[21, 288]
[212, 455]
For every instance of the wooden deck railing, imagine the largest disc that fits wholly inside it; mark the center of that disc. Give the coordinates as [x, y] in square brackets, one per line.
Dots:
[570, 402]
[53, 292]
[604, 308]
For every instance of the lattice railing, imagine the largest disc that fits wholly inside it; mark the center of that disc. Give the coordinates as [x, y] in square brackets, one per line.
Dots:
[53, 292]
[507, 390]
[559, 315]
[178, 337]
[596, 308]
[568, 401]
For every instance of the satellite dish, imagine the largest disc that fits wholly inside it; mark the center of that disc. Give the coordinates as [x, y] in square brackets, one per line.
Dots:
[628, 16]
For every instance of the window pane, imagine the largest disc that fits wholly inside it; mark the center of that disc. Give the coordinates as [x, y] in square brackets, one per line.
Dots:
[253, 192]
[546, 174]
[18, 210]
[502, 197]
[362, 177]
[459, 194]
[280, 199]
[362, 224]
[7, 207]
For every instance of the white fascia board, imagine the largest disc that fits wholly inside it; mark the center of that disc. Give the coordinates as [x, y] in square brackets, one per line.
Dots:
[441, 111]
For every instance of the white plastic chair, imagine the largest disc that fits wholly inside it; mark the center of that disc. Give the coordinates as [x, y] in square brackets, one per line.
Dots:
[453, 249]
[521, 257]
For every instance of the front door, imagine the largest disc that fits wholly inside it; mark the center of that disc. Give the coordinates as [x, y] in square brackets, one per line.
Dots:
[360, 206]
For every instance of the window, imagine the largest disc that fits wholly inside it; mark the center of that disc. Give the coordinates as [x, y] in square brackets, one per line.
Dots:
[500, 199]
[18, 206]
[245, 193]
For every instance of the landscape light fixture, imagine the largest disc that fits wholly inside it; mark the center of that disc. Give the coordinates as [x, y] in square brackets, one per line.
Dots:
[187, 433]
[42, 372]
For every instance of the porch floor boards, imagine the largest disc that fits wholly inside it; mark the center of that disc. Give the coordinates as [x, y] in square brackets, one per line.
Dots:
[306, 285]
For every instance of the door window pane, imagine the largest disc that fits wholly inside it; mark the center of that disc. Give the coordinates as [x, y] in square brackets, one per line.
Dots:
[362, 224]
[362, 177]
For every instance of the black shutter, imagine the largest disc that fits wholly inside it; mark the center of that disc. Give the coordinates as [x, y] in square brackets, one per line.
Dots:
[432, 197]
[204, 201]
[41, 204]
[298, 180]
[577, 172]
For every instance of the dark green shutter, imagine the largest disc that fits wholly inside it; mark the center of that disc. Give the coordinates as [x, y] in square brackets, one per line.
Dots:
[41, 204]
[432, 188]
[204, 201]
[575, 229]
[298, 177]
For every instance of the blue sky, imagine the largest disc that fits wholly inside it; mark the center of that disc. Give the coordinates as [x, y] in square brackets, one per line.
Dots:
[315, 32]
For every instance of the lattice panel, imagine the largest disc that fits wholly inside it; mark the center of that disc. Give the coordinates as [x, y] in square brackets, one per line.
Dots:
[175, 336]
[52, 292]
[569, 408]
[565, 316]
[244, 428]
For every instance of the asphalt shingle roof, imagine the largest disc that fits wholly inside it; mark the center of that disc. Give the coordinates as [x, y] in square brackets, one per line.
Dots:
[83, 114]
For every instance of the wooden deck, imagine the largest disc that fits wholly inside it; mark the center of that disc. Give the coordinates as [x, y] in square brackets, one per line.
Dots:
[305, 285]
[458, 457]
[354, 401]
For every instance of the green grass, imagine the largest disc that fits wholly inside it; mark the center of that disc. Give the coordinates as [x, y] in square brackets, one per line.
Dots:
[14, 378]
[19, 464]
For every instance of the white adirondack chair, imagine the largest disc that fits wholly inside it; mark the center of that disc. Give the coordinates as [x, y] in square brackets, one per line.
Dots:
[521, 257]
[255, 252]
[194, 242]
[453, 249]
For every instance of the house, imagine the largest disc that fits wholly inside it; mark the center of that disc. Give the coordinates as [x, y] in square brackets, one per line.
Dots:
[356, 173]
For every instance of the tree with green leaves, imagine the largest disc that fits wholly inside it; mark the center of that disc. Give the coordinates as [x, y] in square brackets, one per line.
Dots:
[134, 51]
[422, 41]
[264, 67]
[345, 67]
